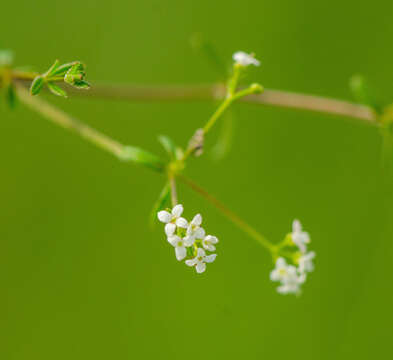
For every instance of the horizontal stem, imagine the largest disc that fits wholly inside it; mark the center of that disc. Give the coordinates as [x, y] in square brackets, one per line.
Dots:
[240, 223]
[270, 97]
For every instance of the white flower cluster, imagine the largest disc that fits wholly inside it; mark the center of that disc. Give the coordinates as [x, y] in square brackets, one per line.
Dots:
[189, 239]
[291, 276]
[244, 59]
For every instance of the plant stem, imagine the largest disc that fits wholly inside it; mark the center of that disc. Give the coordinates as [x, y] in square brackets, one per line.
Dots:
[240, 223]
[172, 183]
[269, 97]
[221, 109]
[60, 118]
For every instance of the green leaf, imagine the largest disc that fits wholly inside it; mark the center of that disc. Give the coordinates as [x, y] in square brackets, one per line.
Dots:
[37, 85]
[62, 69]
[143, 157]
[161, 203]
[169, 145]
[201, 45]
[6, 57]
[11, 97]
[52, 69]
[56, 89]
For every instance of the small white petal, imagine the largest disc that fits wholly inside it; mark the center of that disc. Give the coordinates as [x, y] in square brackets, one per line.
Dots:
[191, 262]
[274, 275]
[201, 267]
[280, 263]
[173, 240]
[296, 226]
[209, 247]
[188, 241]
[199, 233]
[181, 252]
[170, 229]
[201, 252]
[245, 59]
[177, 210]
[182, 222]
[211, 239]
[197, 220]
[164, 216]
[210, 258]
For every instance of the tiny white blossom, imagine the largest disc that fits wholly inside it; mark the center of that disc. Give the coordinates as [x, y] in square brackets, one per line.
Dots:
[292, 282]
[208, 242]
[299, 237]
[280, 271]
[306, 262]
[200, 260]
[180, 246]
[289, 277]
[172, 219]
[244, 59]
[194, 229]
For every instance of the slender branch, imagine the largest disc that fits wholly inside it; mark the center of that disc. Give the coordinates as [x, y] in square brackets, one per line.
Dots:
[240, 223]
[172, 183]
[60, 118]
[269, 97]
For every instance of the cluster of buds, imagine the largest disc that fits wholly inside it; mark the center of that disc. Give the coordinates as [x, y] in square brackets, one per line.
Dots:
[73, 74]
[292, 276]
[188, 238]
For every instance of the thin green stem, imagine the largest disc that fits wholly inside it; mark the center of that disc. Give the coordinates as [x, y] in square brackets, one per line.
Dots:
[217, 114]
[239, 222]
[172, 183]
[62, 119]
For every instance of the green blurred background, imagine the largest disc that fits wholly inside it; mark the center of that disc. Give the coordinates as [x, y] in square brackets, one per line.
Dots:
[82, 274]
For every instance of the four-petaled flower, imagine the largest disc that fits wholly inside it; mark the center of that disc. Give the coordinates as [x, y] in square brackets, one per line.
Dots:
[299, 237]
[208, 242]
[200, 260]
[244, 59]
[289, 277]
[306, 262]
[292, 282]
[194, 229]
[172, 219]
[180, 246]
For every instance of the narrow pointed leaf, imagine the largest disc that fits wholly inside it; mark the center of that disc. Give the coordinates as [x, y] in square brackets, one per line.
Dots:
[56, 89]
[169, 145]
[37, 85]
[142, 157]
[11, 97]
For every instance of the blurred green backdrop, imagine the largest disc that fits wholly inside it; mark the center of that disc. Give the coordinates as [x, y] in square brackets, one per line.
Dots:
[83, 276]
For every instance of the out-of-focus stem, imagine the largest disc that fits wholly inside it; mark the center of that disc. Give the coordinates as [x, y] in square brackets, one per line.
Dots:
[62, 119]
[239, 222]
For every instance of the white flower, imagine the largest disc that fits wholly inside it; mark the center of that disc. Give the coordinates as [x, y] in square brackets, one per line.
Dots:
[245, 59]
[172, 219]
[208, 242]
[306, 262]
[288, 276]
[194, 230]
[180, 246]
[299, 237]
[292, 282]
[280, 271]
[200, 260]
